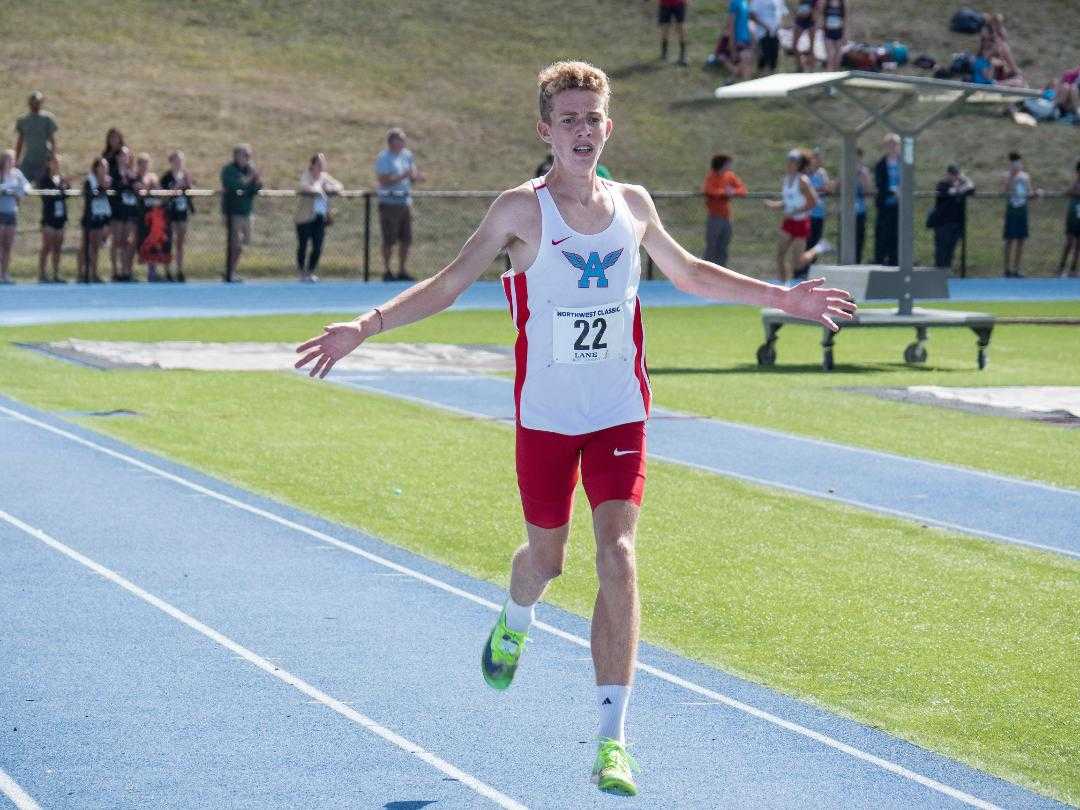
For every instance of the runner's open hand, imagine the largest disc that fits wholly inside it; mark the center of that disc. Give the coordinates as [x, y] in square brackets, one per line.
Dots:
[809, 300]
[336, 341]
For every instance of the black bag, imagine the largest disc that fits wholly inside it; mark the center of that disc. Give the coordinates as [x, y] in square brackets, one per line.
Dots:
[932, 218]
[966, 21]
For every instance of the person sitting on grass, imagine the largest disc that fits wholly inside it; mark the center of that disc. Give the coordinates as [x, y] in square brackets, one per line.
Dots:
[582, 384]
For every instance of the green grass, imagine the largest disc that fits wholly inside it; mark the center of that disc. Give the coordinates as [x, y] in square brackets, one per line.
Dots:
[964, 646]
[296, 77]
[702, 361]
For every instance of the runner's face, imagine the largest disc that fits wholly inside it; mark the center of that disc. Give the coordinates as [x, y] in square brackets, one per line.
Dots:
[578, 130]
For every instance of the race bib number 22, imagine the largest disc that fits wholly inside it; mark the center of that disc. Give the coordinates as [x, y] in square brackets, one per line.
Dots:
[588, 335]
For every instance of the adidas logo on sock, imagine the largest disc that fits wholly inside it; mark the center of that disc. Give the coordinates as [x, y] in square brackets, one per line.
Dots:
[607, 702]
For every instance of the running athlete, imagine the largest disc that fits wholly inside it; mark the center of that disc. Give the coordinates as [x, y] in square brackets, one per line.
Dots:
[582, 388]
[797, 200]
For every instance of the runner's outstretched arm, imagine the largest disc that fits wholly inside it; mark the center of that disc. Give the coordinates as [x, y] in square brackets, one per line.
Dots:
[423, 299]
[808, 299]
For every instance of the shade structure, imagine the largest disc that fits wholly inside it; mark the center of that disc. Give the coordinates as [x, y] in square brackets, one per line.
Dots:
[879, 97]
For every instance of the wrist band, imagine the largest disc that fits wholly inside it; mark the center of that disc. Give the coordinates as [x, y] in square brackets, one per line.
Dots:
[378, 312]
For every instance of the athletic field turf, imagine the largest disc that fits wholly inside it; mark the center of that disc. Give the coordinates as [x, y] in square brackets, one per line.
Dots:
[964, 646]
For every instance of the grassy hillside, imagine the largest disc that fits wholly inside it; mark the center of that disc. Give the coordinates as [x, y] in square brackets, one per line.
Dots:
[296, 77]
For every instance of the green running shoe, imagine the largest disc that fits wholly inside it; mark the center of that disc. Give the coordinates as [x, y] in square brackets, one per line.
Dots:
[611, 771]
[501, 654]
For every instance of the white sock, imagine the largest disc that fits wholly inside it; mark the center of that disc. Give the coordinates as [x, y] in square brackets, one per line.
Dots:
[518, 617]
[612, 701]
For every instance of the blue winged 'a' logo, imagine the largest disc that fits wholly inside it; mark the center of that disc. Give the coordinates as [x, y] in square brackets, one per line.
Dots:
[593, 267]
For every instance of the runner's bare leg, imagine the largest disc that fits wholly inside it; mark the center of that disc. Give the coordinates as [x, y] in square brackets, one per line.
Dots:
[616, 620]
[537, 562]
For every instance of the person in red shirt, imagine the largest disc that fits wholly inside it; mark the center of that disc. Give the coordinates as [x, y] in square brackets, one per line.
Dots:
[721, 184]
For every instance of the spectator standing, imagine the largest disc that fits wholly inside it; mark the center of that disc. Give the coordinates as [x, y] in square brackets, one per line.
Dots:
[819, 179]
[1018, 191]
[114, 142]
[833, 23]
[887, 202]
[125, 217]
[740, 43]
[1072, 228]
[805, 19]
[54, 216]
[396, 171]
[948, 215]
[36, 139]
[97, 214]
[313, 214]
[153, 240]
[13, 187]
[180, 207]
[721, 184]
[240, 182]
[673, 12]
[797, 199]
[767, 16]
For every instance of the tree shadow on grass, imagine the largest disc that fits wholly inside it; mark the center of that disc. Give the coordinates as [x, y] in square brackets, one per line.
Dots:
[636, 69]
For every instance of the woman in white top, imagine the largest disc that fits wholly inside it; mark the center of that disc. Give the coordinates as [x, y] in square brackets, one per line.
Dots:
[798, 198]
[13, 187]
[313, 214]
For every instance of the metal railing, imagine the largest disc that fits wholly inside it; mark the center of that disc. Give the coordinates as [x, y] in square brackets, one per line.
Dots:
[443, 220]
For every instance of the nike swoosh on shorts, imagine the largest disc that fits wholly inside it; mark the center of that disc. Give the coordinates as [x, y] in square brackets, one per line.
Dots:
[623, 452]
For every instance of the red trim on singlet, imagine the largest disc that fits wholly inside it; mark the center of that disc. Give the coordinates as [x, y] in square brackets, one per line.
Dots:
[641, 368]
[517, 294]
[539, 186]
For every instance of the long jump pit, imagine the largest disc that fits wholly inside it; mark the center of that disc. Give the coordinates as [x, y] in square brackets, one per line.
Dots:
[1059, 405]
[174, 355]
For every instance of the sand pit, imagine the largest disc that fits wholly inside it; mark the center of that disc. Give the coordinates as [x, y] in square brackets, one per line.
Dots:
[440, 358]
[1059, 404]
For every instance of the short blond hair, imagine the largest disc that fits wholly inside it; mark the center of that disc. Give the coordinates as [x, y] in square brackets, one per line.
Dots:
[561, 76]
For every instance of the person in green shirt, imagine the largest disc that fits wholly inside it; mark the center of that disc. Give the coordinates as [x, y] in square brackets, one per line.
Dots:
[36, 139]
[240, 183]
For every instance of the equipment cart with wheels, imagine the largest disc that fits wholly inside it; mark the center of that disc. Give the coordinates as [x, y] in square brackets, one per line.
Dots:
[869, 283]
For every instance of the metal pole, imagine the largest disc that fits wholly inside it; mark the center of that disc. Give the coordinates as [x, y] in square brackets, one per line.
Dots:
[367, 235]
[906, 226]
[848, 179]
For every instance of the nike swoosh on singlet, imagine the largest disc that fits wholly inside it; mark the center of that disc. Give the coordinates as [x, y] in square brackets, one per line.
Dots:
[560, 241]
[622, 452]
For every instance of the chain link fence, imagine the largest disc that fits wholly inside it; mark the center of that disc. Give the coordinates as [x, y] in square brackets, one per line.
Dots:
[442, 221]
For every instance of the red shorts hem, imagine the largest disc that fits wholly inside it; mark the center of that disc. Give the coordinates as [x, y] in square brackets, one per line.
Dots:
[797, 228]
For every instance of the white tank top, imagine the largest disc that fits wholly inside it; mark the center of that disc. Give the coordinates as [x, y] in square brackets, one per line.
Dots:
[793, 197]
[580, 351]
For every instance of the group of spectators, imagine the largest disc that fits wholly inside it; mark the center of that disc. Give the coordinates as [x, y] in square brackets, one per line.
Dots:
[141, 215]
[806, 185]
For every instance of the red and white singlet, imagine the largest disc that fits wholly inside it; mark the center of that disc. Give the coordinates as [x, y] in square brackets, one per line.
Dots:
[580, 351]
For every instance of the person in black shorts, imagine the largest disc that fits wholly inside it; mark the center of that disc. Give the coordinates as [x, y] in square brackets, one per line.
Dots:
[1072, 228]
[114, 142]
[805, 19]
[832, 22]
[180, 207]
[54, 217]
[125, 217]
[673, 11]
[97, 213]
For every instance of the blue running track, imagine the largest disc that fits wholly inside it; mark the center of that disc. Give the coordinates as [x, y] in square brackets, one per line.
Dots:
[30, 303]
[170, 640]
[955, 498]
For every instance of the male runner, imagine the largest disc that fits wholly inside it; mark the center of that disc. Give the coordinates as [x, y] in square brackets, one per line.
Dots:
[582, 389]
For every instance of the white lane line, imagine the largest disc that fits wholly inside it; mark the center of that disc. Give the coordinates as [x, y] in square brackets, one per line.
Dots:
[266, 666]
[19, 797]
[675, 680]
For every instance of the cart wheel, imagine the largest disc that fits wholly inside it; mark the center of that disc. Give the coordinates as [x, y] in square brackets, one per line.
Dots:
[915, 353]
[827, 360]
[766, 355]
[982, 359]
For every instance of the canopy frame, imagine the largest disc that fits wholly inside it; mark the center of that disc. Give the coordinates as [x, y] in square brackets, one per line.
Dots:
[809, 90]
